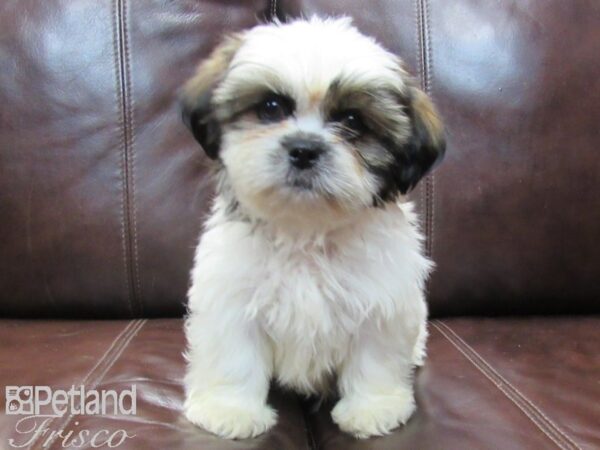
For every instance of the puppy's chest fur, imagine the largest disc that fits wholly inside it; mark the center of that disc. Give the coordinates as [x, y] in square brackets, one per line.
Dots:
[305, 307]
[312, 299]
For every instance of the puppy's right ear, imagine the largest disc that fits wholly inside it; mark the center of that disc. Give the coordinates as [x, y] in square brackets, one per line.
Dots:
[196, 97]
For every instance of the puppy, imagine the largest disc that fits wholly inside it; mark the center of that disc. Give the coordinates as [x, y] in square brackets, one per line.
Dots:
[310, 269]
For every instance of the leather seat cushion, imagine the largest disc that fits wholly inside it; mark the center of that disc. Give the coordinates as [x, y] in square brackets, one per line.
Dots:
[487, 383]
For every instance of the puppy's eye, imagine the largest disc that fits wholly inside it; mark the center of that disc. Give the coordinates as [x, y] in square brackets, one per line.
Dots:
[274, 108]
[351, 121]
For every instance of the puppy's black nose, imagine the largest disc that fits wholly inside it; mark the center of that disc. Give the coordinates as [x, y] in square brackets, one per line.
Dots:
[304, 157]
[303, 151]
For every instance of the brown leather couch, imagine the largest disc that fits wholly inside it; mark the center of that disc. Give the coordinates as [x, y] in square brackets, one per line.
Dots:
[103, 190]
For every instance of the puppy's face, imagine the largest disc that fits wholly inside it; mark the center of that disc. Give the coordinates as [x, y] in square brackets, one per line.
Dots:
[311, 116]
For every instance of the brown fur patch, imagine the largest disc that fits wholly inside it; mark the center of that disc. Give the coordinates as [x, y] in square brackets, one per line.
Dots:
[379, 106]
[212, 70]
[358, 161]
[315, 97]
[423, 107]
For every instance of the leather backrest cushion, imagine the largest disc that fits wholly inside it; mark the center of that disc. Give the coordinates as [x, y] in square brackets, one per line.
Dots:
[103, 191]
[102, 188]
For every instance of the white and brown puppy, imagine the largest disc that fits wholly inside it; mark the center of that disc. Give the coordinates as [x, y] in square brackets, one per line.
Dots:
[310, 269]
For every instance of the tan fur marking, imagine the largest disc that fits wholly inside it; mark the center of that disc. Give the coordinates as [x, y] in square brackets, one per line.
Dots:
[213, 69]
[315, 98]
[424, 108]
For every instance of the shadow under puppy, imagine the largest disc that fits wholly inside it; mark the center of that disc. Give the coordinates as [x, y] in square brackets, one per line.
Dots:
[310, 267]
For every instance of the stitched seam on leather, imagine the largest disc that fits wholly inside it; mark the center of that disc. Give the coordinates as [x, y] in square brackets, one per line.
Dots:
[85, 379]
[500, 387]
[122, 163]
[429, 181]
[537, 410]
[109, 364]
[131, 135]
[425, 66]
[311, 443]
[548, 427]
[125, 111]
[273, 9]
[422, 197]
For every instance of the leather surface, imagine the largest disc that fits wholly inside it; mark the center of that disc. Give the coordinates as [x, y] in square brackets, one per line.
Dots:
[486, 384]
[103, 191]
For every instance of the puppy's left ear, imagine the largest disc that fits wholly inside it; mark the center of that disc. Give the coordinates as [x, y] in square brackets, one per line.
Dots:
[196, 97]
[427, 143]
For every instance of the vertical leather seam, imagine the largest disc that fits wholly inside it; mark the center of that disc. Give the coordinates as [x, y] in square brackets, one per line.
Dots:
[425, 68]
[124, 87]
[311, 443]
[428, 80]
[273, 9]
[421, 186]
[120, 336]
[131, 147]
[109, 363]
[541, 420]
[123, 159]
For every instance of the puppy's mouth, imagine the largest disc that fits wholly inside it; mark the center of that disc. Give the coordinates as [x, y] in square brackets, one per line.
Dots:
[303, 181]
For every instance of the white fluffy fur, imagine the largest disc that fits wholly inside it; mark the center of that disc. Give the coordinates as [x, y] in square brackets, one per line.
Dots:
[304, 292]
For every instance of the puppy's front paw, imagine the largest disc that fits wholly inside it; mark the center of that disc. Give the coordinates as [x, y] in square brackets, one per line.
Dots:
[375, 415]
[230, 420]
